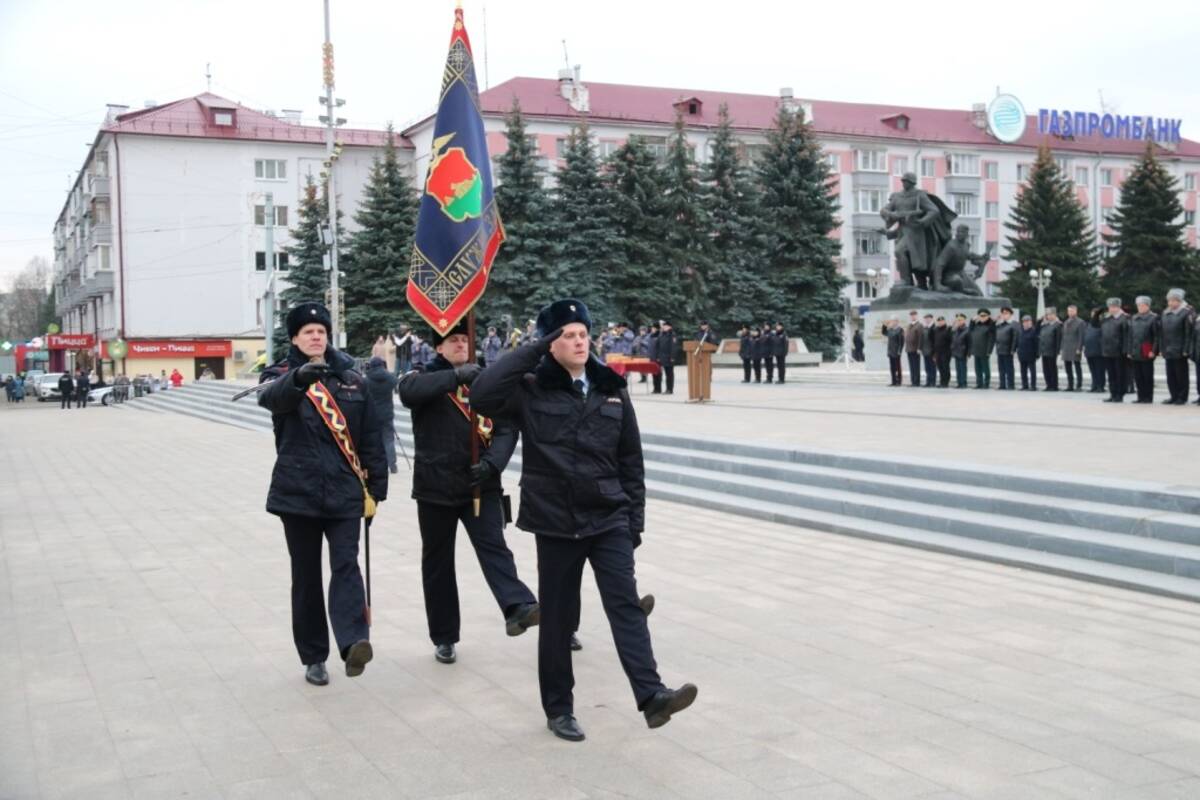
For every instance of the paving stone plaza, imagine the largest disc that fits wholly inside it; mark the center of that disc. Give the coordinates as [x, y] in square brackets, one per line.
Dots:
[147, 647]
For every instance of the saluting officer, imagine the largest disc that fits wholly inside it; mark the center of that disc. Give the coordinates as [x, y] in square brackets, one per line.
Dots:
[583, 495]
[320, 484]
[443, 479]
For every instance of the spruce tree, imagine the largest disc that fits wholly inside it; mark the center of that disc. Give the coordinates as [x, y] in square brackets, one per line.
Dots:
[520, 265]
[1149, 253]
[376, 277]
[306, 277]
[731, 209]
[648, 285]
[799, 214]
[688, 239]
[1051, 229]
[585, 248]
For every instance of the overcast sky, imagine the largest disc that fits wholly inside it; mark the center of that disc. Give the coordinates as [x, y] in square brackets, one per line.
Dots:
[61, 61]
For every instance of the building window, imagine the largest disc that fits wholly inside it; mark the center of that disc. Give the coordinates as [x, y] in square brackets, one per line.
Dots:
[260, 214]
[754, 153]
[865, 290]
[834, 162]
[1107, 215]
[260, 261]
[560, 148]
[1064, 165]
[899, 165]
[1189, 182]
[992, 248]
[1022, 173]
[1189, 218]
[928, 167]
[270, 169]
[1106, 176]
[606, 149]
[992, 209]
[870, 160]
[103, 258]
[657, 145]
[224, 118]
[1081, 176]
[868, 243]
[868, 200]
[991, 171]
[965, 205]
[964, 165]
[973, 242]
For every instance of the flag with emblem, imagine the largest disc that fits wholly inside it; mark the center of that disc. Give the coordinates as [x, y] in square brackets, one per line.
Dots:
[458, 226]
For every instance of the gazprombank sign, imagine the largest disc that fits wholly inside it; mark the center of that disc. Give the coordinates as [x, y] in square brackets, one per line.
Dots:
[1110, 126]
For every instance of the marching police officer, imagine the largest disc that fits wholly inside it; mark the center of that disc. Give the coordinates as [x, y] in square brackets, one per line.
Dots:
[583, 495]
[320, 486]
[443, 480]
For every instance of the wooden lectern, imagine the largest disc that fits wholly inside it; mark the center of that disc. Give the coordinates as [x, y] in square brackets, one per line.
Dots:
[699, 369]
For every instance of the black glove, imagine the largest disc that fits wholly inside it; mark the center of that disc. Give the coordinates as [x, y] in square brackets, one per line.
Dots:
[637, 539]
[467, 373]
[543, 345]
[310, 373]
[481, 472]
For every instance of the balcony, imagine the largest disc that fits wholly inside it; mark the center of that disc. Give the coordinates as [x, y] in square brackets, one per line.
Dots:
[99, 234]
[98, 186]
[99, 284]
[73, 295]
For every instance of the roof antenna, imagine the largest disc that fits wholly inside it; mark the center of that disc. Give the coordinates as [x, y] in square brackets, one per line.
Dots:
[566, 58]
[208, 74]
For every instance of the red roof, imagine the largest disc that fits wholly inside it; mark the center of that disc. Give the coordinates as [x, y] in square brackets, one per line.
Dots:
[192, 117]
[656, 105]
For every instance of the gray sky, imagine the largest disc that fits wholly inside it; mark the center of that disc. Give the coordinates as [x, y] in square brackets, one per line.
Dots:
[62, 60]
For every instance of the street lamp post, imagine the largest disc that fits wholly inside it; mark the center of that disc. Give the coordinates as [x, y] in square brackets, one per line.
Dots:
[1040, 278]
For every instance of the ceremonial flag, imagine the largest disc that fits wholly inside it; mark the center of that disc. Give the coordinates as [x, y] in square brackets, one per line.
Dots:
[458, 226]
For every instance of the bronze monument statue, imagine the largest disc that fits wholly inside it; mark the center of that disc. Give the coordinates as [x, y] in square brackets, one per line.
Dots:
[949, 273]
[921, 223]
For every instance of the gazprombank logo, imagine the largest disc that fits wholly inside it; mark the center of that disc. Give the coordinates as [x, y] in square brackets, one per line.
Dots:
[1006, 118]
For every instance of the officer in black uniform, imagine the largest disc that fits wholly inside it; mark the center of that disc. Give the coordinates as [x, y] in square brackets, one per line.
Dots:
[443, 480]
[583, 495]
[746, 351]
[317, 493]
[664, 354]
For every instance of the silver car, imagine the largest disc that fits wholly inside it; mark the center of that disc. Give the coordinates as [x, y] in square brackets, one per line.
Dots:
[45, 386]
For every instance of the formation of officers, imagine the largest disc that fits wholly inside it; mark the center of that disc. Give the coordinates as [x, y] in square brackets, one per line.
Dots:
[1119, 348]
[582, 496]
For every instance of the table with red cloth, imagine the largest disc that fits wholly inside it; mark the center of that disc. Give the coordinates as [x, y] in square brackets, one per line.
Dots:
[623, 367]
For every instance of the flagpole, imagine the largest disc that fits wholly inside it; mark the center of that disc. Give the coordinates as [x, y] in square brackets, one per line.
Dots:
[474, 419]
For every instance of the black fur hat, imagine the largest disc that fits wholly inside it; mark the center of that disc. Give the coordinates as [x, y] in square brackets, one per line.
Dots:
[560, 313]
[306, 314]
[461, 327]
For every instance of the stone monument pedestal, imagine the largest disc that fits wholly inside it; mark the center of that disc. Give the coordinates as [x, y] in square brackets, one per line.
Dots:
[903, 299]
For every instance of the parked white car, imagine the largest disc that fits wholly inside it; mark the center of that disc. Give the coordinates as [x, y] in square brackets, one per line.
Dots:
[45, 386]
[102, 395]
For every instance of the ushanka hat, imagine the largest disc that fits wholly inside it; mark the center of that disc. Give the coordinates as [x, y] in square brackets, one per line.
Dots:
[560, 313]
[461, 327]
[307, 314]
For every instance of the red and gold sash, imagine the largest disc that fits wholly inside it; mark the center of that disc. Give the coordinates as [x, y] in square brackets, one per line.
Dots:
[331, 414]
[462, 401]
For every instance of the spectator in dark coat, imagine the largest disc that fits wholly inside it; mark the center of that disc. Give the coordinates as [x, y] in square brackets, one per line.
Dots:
[1094, 352]
[66, 388]
[779, 349]
[912, 346]
[931, 373]
[960, 348]
[1177, 326]
[1146, 331]
[664, 354]
[758, 350]
[768, 339]
[1074, 332]
[745, 350]
[943, 339]
[895, 349]
[1007, 334]
[858, 345]
[1049, 344]
[1027, 354]
[381, 385]
[1115, 344]
[983, 341]
[82, 387]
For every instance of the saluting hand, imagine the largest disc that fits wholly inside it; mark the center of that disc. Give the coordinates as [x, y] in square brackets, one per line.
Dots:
[310, 373]
[467, 373]
[543, 344]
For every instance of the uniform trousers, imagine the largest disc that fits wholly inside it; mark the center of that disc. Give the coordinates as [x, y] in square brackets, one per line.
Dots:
[1050, 371]
[897, 373]
[668, 373]
[757, 370]
[745, 370]
[347, 602]
[1074, 375]
[914, 368]
[1177, 379]
[960, 371]
[560, 570]
[439, 526]
[1097, 372]
[81, 399]
[769, 361]
[1116, 368]
[1008, 376]
[1028, 373]
[1143, 376]
[931, 375]
[781, 367]
[983, 372]
[65, 401]
[943, 365]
